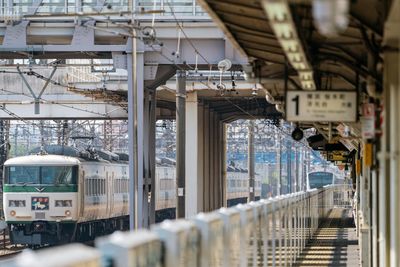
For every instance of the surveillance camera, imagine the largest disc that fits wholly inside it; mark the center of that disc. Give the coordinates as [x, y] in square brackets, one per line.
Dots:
[297, 134]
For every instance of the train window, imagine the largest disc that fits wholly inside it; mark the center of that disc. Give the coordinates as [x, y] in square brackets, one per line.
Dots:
[23, 174]
[91, 188]
[56, 174]
[96, 187]
[99, 187]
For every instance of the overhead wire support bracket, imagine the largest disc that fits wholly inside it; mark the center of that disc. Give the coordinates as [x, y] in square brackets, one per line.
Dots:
[39, 96]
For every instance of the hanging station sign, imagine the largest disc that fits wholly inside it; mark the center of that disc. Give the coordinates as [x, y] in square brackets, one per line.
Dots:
[321, 106]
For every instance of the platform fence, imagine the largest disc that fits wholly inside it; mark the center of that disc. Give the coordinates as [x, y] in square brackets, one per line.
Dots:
[269, 232]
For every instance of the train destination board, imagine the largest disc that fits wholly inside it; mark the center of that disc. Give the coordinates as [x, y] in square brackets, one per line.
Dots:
[321, 106]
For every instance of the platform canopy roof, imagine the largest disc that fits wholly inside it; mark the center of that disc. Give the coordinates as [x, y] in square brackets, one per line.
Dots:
[341, 62]
[352, 60]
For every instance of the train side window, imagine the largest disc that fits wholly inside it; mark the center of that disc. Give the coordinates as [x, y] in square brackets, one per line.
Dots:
[95, 184]
[91, 187]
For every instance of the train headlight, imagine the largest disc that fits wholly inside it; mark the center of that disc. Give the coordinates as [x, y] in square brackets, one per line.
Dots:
[63, 203]
[12, 213]
[67, 213]
[17, 203]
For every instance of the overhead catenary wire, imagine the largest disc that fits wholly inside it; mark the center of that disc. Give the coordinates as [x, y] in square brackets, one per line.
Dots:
[56, 103]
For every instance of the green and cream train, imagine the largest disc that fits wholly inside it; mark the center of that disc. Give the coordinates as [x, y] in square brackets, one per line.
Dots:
[52, 199]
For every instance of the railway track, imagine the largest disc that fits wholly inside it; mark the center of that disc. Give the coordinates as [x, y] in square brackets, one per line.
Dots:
[7, 250]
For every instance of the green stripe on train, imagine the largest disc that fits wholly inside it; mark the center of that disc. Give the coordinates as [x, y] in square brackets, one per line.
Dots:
[40, 189]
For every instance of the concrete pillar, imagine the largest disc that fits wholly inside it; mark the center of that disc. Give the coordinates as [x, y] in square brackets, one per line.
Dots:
[279, 162]
[135, 66]
[289, 166]
[223, 170]
[390, 77]
[389, 191]
[204, 158]
[297, 167]
[146, 163]
[152, 154]
[149, 155]
[392, 62]
[211, 155]
[251, 161]
[194, 171]
[180, 142]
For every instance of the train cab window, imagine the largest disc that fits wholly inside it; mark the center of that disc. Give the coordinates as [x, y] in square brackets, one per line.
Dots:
[41, 174]
[22, 175]
[57, 175]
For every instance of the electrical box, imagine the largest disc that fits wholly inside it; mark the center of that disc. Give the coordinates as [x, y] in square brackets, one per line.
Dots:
[130, 249]
[74, 255]
[180, 239]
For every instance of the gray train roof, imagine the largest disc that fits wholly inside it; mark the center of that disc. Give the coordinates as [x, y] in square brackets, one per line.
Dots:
[68, 151]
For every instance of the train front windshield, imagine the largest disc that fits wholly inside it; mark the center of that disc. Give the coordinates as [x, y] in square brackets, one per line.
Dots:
[319, 179]
[41, 174]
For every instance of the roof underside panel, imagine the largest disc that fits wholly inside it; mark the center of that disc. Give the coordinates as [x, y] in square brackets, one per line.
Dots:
[338, 63]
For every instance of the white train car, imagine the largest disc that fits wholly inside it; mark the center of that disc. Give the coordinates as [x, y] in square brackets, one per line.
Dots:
[51, 199]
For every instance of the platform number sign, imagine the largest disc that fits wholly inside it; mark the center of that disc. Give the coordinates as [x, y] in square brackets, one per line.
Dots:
[321, 106]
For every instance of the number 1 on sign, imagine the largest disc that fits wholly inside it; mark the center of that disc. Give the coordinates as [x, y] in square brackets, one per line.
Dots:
[296, 100]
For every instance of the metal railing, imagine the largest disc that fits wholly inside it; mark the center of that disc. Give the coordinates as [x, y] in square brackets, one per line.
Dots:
[14, 10]
[271, 232]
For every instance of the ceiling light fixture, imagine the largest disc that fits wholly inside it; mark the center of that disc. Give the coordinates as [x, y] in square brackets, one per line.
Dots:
[282, 23]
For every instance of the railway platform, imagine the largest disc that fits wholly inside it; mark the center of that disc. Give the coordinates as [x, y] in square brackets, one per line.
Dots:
[335, 242]
[313, 228]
